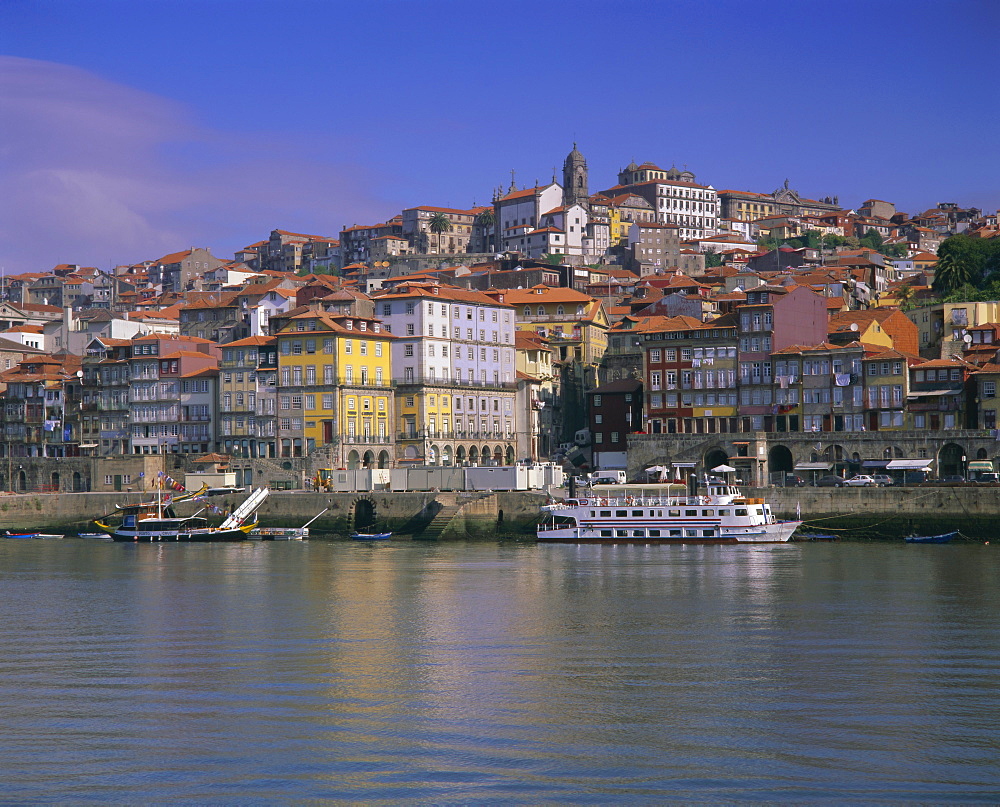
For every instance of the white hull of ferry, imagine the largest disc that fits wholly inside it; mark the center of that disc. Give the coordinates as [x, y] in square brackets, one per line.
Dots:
[652, 514]
[779, 532]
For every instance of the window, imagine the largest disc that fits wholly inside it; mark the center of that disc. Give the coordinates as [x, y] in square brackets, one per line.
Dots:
[597, 400]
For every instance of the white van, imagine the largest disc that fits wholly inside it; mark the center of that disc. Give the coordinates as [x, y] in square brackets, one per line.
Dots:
[608, 478]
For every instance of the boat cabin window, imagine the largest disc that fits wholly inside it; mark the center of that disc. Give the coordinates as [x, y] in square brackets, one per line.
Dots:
[605, 533]
[707, 512]
[675, 533]
[621, 533]
[691, 533]
[674, 513]
[741, 511]
[654, 533]
[690, 512]
[723, 512]
[708, 533]
[638, 533]
[605, 514]
[637, 513]
[621, 513]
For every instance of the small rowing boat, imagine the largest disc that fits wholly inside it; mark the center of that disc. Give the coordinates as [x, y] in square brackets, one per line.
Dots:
[39, 535]
[943, 538]
[371, 536]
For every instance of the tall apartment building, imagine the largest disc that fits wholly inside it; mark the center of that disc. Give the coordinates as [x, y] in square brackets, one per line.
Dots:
[690, 374]
[105, 402]
[162, 370]
[334, 389]
[453, 367]
[248, 374]
[773, 318]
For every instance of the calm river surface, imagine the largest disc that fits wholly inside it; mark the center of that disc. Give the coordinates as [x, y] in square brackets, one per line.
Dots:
[483, 673]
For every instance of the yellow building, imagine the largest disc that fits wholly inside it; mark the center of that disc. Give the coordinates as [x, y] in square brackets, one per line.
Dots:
[575, 323]
[335, 389]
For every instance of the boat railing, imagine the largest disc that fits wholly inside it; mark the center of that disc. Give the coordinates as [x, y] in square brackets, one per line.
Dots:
[646, 501]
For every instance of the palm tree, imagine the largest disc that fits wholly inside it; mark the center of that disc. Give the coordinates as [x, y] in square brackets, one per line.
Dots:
[904, 297]
[486, 219]
[439, 223]
[950, 274]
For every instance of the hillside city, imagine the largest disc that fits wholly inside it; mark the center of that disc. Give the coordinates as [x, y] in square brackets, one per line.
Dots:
[650, 321]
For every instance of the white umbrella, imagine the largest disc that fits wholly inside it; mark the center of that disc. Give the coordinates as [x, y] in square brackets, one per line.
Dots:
[723, 469]
[656, 469]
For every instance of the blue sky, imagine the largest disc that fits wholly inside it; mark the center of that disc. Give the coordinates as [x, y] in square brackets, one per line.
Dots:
[132, 129]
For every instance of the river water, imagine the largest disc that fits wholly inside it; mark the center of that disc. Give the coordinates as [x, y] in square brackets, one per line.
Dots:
[484, 673]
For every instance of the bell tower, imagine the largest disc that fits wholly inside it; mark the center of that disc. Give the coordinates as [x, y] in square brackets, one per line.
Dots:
[575, 180]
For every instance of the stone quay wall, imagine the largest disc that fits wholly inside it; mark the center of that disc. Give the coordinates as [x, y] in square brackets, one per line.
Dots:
[504, 514]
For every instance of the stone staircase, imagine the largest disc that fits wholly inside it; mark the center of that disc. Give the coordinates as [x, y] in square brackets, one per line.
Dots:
[452, 505]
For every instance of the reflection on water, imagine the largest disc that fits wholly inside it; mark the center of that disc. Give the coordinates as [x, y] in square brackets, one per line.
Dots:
[524, 674]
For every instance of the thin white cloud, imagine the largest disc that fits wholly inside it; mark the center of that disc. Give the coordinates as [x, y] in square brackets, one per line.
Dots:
[96, 173]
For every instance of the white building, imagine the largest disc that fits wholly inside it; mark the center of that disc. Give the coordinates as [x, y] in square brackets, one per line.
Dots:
[453, 365]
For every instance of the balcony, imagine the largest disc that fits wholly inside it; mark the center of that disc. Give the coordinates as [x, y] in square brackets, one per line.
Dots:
[452, 382]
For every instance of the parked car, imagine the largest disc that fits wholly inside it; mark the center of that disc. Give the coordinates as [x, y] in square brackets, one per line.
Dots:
[830, 481]
[861, 481]
[883, 480]
[791, 481]
[954, 479]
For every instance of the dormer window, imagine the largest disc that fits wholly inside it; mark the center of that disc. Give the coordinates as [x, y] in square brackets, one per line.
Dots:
[364, 325]
[350, 324]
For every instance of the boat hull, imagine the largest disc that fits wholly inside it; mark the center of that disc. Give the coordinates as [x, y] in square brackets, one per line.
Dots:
[371, 536]
[944, 538]
[208, 536]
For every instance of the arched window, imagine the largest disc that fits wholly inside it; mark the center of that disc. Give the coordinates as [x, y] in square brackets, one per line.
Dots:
[541, 311]
[560, 311]
[579, 310]
[527, 311]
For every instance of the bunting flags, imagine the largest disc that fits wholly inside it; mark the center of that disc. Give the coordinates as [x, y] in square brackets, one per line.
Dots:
[167, 482]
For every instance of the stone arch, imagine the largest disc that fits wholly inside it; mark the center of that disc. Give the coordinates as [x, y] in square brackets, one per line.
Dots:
[410, 453]
[54, 481]
[779, 460]
[980, 455]
[474, 456]
[951, 460]
[353, 460]
[509, 459]
[364, 513]
[22, 481]
[368, 460]
[498, 455]
[383, 459]
[715, 457]
[460, 456]
[433, 453]
[446, 456]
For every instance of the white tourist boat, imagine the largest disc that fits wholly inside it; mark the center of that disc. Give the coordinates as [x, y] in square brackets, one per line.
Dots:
[663, 514]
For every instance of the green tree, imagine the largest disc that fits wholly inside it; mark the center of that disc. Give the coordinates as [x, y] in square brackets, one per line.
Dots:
[871, 239]
[439, 223]
[486, 219]
[712, 259]
[950, 274]
[904, 296]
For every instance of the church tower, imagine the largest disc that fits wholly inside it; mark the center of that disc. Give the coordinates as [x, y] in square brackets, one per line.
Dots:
[575, 180]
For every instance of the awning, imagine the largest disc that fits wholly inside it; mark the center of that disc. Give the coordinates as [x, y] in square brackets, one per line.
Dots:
[874, 463]
[981, 465]
[909, 465]
[812, 466]
[88, 445]
[930, 393]
[684, 464]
